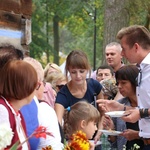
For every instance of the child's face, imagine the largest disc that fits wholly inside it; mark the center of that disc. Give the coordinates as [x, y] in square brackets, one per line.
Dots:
[90, 129]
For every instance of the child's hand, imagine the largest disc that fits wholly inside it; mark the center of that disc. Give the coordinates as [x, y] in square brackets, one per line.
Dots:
[92, 146]
[97, 136]
[108, 123]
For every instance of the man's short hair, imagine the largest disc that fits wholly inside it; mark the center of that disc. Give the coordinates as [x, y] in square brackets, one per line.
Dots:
[105, 67]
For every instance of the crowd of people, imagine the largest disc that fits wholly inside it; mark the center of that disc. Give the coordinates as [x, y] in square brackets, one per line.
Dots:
[33, 96]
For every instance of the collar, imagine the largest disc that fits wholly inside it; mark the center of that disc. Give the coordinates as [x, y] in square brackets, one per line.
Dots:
[146, 61]
[10, 106]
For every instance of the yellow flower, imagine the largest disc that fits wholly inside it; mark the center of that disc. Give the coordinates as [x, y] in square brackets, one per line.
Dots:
[78, 142]
[47, 148]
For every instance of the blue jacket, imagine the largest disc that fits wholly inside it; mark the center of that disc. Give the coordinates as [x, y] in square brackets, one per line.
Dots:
[30, 114]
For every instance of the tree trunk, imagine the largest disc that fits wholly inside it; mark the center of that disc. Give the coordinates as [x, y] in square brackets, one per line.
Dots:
[148, 18]
[116, 16]
[47, 31]
[56, 39]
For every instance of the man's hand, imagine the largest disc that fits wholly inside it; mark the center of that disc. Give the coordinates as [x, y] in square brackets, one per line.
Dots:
[132, 115]
[109, 105]
[130, 134]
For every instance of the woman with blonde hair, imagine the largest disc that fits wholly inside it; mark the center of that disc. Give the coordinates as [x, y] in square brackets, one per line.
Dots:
[57, 80]
[50, 68]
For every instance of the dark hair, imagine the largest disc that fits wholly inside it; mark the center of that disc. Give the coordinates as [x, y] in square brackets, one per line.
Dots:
[81, 110]
[77, 59]
[135, 34]
[129, 72]
[8, 52]
[105, 67]
[18, 79]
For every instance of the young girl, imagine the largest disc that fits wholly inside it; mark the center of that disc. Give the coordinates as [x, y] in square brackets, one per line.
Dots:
[81, 116]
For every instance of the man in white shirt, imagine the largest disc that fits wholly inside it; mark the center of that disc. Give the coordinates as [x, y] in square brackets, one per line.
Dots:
[135, 42]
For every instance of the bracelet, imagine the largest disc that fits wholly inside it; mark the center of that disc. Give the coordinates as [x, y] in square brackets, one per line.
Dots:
[146, 113]
[143, 112]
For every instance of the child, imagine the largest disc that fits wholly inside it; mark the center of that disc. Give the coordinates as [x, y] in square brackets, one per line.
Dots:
[81, 116]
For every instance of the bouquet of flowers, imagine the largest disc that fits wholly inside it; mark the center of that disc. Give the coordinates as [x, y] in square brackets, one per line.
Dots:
[78, 141]
[6, 136]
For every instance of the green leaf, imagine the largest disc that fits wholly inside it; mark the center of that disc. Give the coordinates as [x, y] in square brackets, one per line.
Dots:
[14, 147]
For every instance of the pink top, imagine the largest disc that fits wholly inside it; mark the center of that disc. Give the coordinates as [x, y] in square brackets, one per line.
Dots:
[49, 95]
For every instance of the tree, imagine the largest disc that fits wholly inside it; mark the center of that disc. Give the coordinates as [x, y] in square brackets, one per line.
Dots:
[140, 12]
[40, 44]
[65, 25]
[123, 13]
[116, 16]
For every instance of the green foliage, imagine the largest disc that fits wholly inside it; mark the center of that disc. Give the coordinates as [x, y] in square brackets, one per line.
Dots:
[76, 26]
[39, 44]
[139, 11]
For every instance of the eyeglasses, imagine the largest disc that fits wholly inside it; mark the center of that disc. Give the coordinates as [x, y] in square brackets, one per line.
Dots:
[60, 86]
[39, 84]
[44, 83]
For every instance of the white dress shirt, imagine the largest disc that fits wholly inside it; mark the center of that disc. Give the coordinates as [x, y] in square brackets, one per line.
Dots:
[143, 96]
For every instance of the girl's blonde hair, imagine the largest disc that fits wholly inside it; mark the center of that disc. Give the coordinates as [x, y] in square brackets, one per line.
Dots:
[81, 110]
[55, 77]
[48, 66]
